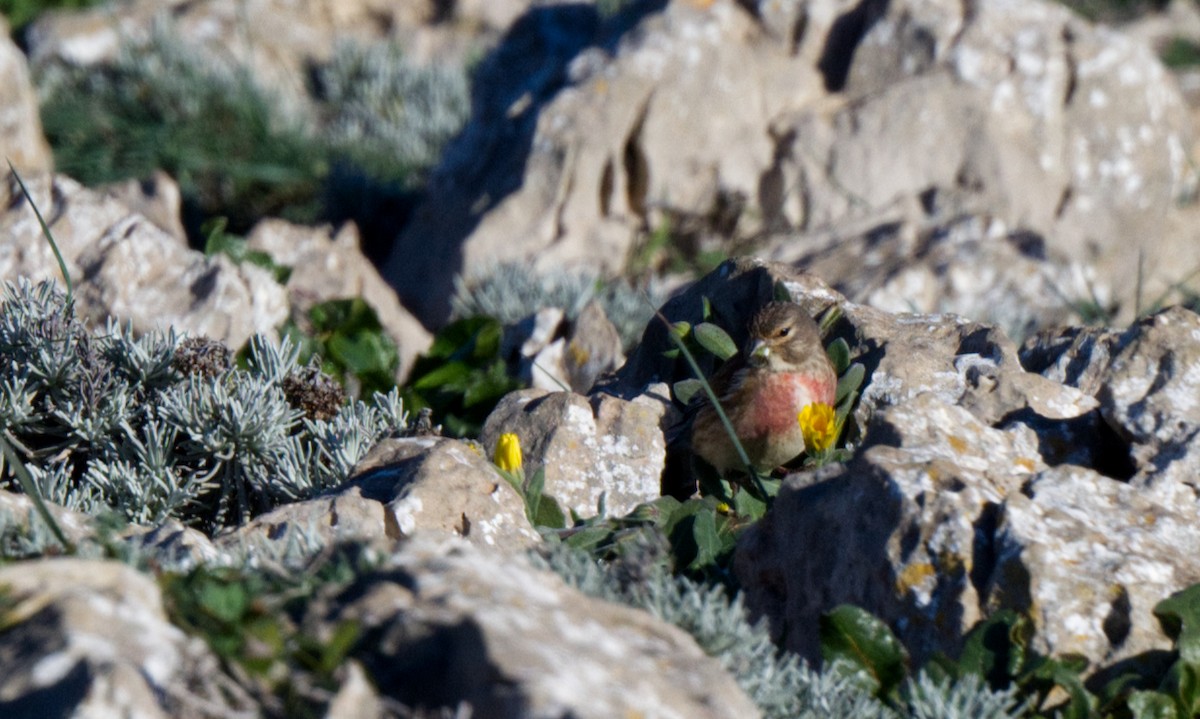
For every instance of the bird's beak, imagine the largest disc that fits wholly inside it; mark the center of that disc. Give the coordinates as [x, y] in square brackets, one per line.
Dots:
[760, 353]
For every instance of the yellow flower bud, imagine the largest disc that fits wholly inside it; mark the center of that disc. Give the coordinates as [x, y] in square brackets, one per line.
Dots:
[818, 423]
[508, 453]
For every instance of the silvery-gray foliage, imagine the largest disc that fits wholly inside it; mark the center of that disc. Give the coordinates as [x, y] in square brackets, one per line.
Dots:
[510, 292]
[104, 421]
[968, 697]
[376, 98]
[780, 683]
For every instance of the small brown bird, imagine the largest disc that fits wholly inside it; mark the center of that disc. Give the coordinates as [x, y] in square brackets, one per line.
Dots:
[782, 368]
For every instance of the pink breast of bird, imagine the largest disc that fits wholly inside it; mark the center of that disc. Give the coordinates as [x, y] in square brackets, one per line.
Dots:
[784, 395]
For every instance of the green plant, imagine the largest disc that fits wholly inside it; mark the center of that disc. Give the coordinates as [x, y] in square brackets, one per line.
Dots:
[351, 343]
[166, 106]
[1181, 53]
[219, 242]
[462, 376]
[252, 622]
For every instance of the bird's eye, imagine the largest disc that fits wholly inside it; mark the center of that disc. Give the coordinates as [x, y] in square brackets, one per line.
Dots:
[785, 331]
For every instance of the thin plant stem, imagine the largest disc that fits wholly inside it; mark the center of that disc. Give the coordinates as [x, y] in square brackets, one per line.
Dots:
[716, 403]
[62, 265]
[31, 490]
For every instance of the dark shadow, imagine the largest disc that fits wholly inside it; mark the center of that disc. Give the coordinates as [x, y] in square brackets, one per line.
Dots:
[1084, 441]
[512, 85]
[843, 40]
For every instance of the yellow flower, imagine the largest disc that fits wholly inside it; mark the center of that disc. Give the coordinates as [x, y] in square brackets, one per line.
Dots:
[818, 422]
[508, 453]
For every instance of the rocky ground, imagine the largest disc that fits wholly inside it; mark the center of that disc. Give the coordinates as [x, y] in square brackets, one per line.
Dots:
[991, 203]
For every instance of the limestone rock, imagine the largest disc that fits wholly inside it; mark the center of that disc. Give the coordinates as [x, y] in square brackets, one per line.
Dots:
[157, 198]
[1088, 557]
[519, 643]
[904, 259]
[21, 138]
[91, 638]
[587, 447]
[137, 272]
[125, 267]
[1149, 395]
[442, 486]
[784, 120]
[328, 265]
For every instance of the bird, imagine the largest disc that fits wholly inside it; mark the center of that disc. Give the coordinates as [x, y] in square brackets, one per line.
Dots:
[781, 369]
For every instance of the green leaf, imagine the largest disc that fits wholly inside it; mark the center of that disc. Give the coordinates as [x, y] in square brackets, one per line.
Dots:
[853, 635]
[1179, 617]
[488, 386]
[850, 381]
[451, 376]
[749, 506]
[715, 340]
[839, 355]
[227, 602]
[1152, 705]
[829, 319]
[705, 307]
[681, 329]
[549, 514]
[1182, 683]
[996, 649]
[709, 544]
[361, 353]
[687, 389]
[534, 484]
[1063, 672]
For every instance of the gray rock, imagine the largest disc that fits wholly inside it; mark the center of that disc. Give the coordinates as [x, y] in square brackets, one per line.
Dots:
[587, 447]
[21, 140]
[442, 486]
[450, 623]
[328, 265]
[125, 267]
[1149, 396]
[90, 638]
[157, 198]
[1088, 557]
[814, 115]
[895, 532]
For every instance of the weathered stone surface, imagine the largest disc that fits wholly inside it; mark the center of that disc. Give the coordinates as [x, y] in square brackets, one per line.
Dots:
[137, 272]
[765, 118]
[442, 486]
[157, 198]
[907, 260]
[551, 351]
[587, 447]
[1151, 396]
[1088, 557]
[519, 643]
[343, 517]
[124, 266]
[981, 485]
[18, 514]
[21, 138]
[90, 638]
[895, 532]
[328, 265]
